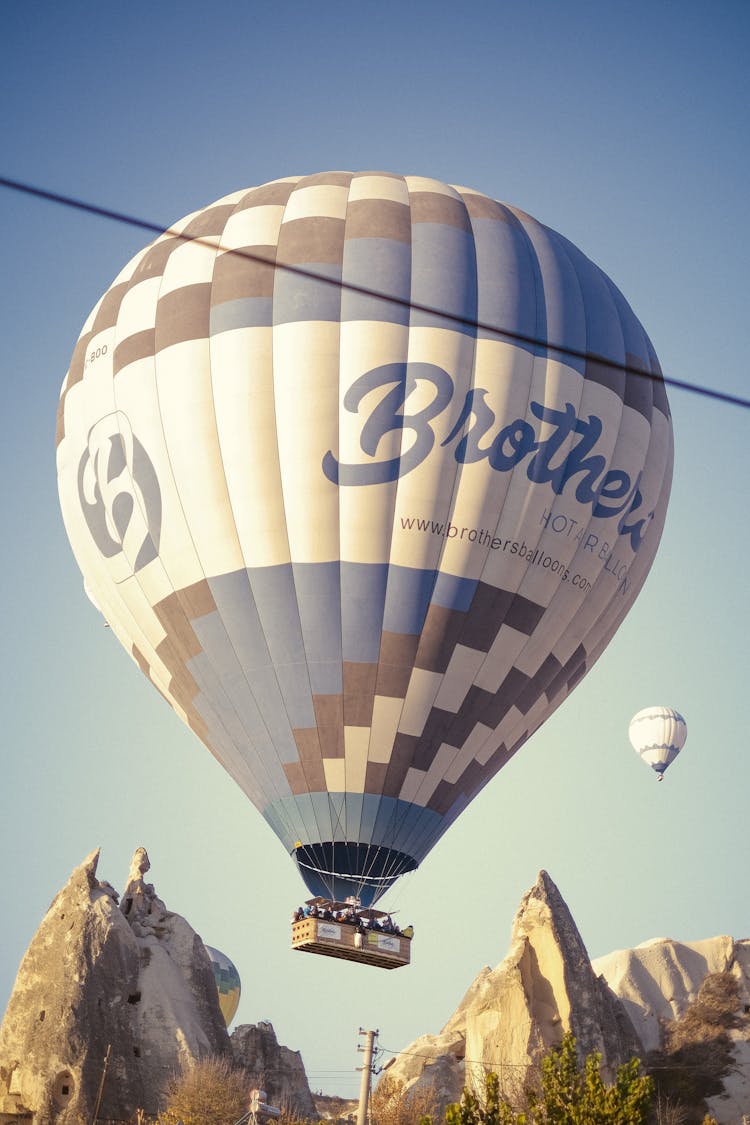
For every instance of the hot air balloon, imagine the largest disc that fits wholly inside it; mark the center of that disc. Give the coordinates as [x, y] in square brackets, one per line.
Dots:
[658, 734]
[364, 472]
[227, 983]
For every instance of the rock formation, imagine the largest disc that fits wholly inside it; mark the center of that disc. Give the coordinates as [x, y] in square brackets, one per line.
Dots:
[178, 1018]
[329, 1107]
[276, 1069]
[132, 983]
[512, 1014]
[620, 1005]
[659, 979]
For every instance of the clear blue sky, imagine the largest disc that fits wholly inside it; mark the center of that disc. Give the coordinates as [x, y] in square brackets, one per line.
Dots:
[625, 127]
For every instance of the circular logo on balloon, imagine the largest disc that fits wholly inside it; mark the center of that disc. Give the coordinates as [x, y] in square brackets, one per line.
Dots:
[120, 496]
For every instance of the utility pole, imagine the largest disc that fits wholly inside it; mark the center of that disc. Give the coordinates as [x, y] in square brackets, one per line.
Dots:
[364, 1090]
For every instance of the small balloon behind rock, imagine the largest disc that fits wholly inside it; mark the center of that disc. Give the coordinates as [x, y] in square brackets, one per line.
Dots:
[228, 983]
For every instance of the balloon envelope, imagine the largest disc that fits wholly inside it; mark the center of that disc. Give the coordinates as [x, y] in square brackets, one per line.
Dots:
[344, 507]
[227, 983]
[658, 734]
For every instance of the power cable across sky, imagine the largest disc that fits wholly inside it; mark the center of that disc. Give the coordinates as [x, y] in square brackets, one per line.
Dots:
[50, 196]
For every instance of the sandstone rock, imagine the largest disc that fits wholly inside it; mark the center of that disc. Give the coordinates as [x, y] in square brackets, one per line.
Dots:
[328, 1107]
[274, 1068]
[546, 985]
[136, 980]
[178, 1018]
[659, 979]
[512, 1014]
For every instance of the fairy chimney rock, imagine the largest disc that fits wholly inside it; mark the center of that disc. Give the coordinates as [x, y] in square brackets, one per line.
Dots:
[510, 1015]
[274, 1068]
[130, 982]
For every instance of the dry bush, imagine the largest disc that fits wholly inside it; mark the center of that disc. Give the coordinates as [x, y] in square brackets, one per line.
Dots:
[394, 1104]
[714, 1009]
[291, 1117]
[211, 1092]
[698, 1050]
[669, 1111]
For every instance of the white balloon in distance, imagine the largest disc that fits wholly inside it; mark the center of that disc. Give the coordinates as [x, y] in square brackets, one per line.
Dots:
[358, 527]
[658, 734]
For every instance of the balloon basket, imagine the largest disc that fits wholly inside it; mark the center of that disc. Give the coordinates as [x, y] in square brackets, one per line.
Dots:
[345, 941]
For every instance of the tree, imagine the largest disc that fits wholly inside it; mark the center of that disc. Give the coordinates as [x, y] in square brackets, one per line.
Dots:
[569, 1094]
[210, 1092]
[492, 1110]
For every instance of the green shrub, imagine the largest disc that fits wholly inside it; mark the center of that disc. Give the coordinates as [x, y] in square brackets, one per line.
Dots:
[569, 1094]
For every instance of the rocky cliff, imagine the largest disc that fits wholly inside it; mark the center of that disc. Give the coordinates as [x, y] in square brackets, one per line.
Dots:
[274, 1068]
[112, 999]
[511, 1014]
[632, 1002]
[107, 995]
[660, 981]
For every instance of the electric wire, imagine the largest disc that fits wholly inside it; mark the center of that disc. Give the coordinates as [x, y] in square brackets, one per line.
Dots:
[493, 1065]
[364, 291]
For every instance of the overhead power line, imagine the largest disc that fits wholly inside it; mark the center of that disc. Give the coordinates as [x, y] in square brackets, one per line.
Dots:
[500, 1065]
[311, 275]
